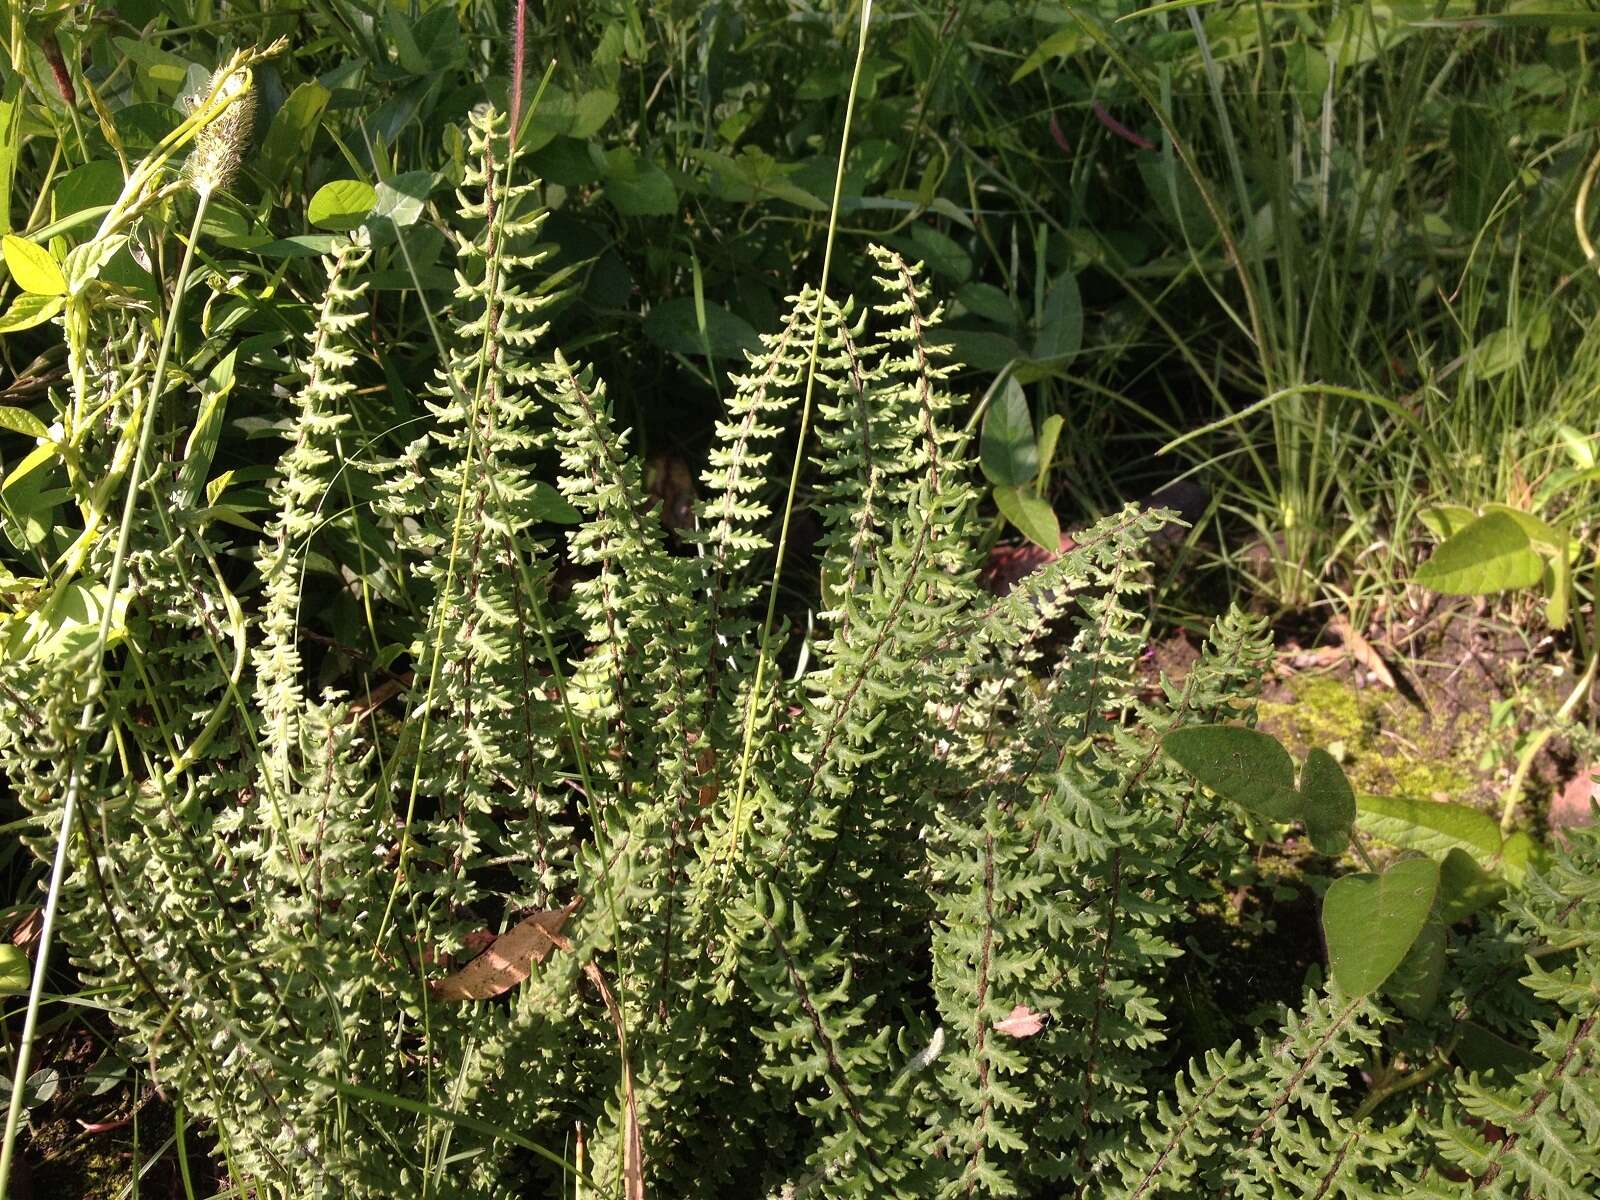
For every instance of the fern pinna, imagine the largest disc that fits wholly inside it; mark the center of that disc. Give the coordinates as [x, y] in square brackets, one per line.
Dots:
[910, 931]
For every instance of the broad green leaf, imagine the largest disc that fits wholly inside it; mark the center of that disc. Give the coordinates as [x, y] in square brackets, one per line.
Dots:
[1464, 887]
[1330, 802]
[68, 623]
[401, 198]
[1032, 516]
[1489, 556]
[201, 447]
[637, 187]
[592, 110]
[1060, 333]
[1430, 826]
[942, 253]
[981, 349]
[11, 106]
[1007, 450]
[1558, 591]
[1246, 766]
[1063, 43]
[1580, 446]
[1372, 921]
[342, 204]
[93, 185]
[1517, 854]
[289, 137]
[28, 310]
[15, 974]
[1539, 532]
[550, 505]
[163, 68]
[1049, 435]
[1414, 986]
[1447, 520]
[1486, 1052]
[674, 325]
[33, 268]
[987, 301]
[1498, 353]
[20, 420]
[37, 457]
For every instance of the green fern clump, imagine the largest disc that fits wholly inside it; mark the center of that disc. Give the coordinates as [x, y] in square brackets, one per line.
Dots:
[900, 922]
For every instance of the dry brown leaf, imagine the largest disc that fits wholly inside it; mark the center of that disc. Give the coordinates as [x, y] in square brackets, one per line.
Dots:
[507, 962]
[1361, 650]
[632, 1143]
[25, 933]
[1022, 1023]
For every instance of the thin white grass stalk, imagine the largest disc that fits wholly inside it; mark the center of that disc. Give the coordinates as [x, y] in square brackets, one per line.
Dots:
[740, 802]
[69, 805]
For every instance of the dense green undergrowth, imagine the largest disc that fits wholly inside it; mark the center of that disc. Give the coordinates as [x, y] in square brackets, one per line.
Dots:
[349, 624]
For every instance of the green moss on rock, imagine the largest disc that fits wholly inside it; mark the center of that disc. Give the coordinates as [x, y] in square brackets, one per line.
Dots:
[1386, 744]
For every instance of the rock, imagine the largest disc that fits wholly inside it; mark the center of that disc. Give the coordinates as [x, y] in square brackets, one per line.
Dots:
[1572, 806]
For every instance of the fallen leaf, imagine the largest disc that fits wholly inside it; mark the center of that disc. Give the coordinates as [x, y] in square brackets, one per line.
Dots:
[632, 1143]
[507, 962]
[25, 933]
[1022, 1023]
[1361, 650]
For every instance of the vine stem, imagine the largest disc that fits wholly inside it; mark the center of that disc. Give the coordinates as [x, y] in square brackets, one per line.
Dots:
[740, 800]
[69, 804]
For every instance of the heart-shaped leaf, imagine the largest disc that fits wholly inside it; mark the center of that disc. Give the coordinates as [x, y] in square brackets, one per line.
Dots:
[1007, 450]
[1372, 921]
[1330, 802]
[1246, 766]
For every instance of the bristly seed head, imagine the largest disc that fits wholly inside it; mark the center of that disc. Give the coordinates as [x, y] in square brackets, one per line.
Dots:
[219, 147]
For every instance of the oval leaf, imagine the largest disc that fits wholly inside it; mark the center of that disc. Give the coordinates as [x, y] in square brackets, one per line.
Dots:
[20, 420]
[1430, 826]
[28, 310]
[1330, 802]
[1245, 766]
[1372, 921]
[1007, 450]
[1489, 556]
[33, 268]
[342, 204]
[1033, 517]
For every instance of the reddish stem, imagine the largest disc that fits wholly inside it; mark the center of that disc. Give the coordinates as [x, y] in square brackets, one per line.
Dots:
[58, 67]
[519, 46]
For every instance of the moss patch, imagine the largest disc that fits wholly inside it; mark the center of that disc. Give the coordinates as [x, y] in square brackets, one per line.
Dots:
[1387, 745]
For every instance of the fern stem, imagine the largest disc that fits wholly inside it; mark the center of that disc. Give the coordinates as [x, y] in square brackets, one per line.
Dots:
[740, 801]
[69, 804]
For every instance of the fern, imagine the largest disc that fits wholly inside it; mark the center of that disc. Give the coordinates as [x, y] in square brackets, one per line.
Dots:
[960, 825]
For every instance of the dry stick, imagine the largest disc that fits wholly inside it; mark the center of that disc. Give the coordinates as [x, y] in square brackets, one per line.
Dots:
[762, 658]
[69, 804]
